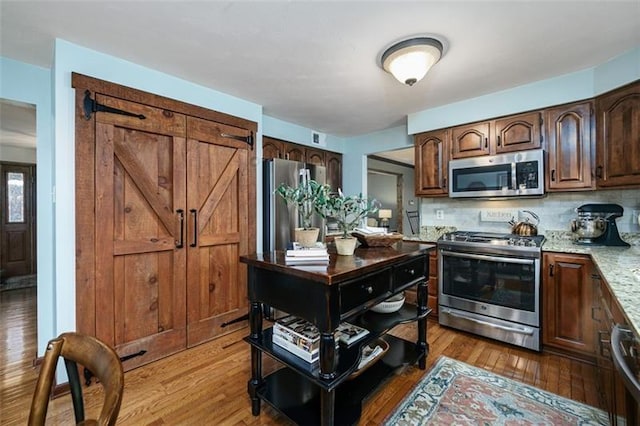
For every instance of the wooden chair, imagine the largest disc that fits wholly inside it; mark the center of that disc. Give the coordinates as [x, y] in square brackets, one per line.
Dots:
[94, 355]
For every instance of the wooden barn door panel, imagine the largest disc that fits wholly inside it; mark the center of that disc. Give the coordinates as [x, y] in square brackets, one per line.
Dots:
[140, 273]
[218, 228]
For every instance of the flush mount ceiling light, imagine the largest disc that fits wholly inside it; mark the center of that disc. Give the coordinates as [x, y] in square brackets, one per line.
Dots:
[410, 60]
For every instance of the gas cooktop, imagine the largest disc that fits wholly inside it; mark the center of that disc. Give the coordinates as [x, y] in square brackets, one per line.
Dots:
[492, 240]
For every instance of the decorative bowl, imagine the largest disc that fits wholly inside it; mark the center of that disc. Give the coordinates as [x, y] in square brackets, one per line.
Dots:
[392, 304]
[378, 240]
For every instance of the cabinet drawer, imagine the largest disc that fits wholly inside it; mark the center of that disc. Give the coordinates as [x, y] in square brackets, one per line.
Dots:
[357, 293]
[409, 272]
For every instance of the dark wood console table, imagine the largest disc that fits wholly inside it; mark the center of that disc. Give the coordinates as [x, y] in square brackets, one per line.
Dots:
[343, 291]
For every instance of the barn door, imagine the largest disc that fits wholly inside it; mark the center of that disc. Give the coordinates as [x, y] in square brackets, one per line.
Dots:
[218, 228]
[139, 264]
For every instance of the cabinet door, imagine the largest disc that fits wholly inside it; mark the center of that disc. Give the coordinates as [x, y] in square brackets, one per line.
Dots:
[293, 152]
[217, 228]
[334, 170]
[518, 132]
[433, 284]
[568, 299]
[618, 146]
[271, 148]
[471, 140]
[431, 163]
[314, 156]
[571, 147]
[139, 270]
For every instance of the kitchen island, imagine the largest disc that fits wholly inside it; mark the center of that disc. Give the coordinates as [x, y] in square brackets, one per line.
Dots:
[343, 290]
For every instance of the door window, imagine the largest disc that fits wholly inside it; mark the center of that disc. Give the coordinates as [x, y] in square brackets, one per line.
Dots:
[15, 197]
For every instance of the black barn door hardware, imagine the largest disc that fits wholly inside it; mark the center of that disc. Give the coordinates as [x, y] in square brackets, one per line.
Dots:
[91, 105]
[245, 139]
[180, 242]
[194, 214]
[88, 374]
[233, 321]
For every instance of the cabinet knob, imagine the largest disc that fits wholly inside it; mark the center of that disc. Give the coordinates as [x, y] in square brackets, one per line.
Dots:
[369, 289]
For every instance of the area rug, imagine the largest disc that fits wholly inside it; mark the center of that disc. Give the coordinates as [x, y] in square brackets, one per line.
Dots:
[454, 393]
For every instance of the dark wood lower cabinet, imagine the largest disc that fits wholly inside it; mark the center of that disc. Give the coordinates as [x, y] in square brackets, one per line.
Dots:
[622, 408]
[567, 301]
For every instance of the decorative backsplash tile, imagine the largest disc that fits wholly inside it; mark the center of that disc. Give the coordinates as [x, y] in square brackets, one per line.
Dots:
[555, 211]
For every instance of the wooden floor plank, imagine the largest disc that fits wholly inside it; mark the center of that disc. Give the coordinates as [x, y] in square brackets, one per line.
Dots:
[207, 384]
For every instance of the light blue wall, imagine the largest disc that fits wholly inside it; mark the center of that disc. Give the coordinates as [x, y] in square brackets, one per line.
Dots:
[293, 133]
[354, 159]
[30, 84]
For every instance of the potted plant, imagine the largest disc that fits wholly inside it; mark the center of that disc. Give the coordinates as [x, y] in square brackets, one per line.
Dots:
[348, 212]
[303, 196]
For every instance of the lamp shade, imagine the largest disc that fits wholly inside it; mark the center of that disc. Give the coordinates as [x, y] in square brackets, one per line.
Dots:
[410, 60]
[384, 213]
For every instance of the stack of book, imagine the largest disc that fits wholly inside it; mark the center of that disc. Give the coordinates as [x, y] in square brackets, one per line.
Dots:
[297, 336]
[298, 255]
[302, 338]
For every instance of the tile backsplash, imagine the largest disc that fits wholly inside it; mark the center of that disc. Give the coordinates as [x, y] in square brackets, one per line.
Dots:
[555, 210]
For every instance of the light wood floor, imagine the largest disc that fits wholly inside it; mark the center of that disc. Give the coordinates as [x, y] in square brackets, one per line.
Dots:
[207, 384]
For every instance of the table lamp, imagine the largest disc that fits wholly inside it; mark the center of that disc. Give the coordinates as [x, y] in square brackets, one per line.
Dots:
[384, 215]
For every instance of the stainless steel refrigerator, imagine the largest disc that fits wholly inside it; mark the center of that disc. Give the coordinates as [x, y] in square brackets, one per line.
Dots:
[279, 220]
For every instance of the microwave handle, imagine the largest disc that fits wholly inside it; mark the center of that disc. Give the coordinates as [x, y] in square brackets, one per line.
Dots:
[487, 258]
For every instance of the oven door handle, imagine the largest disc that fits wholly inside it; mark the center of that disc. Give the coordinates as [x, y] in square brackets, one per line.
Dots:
[488, 258]
[520, 330]
[618, 334]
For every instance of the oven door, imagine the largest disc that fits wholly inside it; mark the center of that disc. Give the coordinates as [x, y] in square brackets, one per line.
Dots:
[502, 287]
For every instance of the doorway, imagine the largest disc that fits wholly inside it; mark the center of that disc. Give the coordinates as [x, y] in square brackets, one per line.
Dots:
[386, 187]
[18, 260]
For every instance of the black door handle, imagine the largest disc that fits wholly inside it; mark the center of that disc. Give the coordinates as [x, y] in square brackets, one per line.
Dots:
[194, 214]
[180, 242]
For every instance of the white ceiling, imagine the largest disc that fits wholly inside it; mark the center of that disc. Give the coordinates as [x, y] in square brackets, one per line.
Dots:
[314, 63]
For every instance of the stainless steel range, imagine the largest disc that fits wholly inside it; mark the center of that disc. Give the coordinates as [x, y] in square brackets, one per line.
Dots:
[489, 284]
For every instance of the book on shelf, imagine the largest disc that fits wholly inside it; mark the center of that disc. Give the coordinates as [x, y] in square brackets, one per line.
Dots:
[298, 332]
[348, 333]
[310, 357]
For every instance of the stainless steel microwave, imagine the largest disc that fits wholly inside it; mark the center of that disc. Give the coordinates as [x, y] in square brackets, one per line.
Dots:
[515, 174]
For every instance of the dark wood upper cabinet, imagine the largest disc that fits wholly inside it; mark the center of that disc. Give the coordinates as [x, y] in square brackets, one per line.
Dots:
[332, 161]
[518, 132]
[471, 140]
[315, 156]
[514, 133]
[294, 152]
[571, 147]
[618, 143]
[334, 170]
[431, 163]
[272, 148]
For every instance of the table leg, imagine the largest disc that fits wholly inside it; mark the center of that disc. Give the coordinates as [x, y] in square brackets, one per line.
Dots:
[327, 409]
[327, 356]
[255, 321]
[422, 345]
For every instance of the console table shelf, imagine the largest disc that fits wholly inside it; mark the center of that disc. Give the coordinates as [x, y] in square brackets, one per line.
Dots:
[348, 356]
[327, 392]
[298, 398]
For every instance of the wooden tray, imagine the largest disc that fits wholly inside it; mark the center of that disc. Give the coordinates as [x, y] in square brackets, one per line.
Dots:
[385, 347]
[385, 240]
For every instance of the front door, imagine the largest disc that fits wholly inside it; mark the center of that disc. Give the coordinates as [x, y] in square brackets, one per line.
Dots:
[17, 183]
